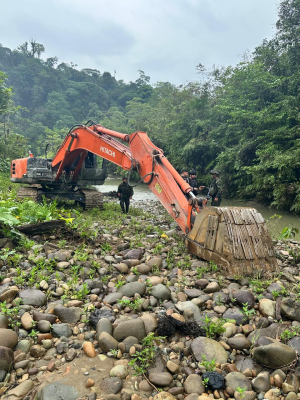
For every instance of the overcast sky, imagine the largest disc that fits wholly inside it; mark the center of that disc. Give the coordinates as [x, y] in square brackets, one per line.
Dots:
[164, 38]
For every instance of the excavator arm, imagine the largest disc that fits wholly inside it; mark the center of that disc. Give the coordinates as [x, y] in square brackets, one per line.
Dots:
[141, 155]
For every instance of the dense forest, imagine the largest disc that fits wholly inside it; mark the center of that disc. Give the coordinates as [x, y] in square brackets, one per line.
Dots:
[242, 119]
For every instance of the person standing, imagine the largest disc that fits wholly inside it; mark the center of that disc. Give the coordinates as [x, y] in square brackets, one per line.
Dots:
[193, 181]
[185, 175]
[125, 193]
[215, 188]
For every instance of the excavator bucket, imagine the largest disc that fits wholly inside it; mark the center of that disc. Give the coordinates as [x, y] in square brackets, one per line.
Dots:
[236, 239]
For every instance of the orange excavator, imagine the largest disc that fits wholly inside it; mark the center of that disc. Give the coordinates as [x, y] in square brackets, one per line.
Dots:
[235, 238]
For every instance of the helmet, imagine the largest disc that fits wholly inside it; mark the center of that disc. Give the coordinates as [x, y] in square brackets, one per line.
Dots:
[215, 172]
[192, 172]
[125, 177]
[184, 170]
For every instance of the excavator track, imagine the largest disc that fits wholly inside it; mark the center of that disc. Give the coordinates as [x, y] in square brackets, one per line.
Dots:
[28, 192]
[93, 199]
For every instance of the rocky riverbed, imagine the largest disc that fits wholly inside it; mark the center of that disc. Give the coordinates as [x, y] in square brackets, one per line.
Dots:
[126, 313]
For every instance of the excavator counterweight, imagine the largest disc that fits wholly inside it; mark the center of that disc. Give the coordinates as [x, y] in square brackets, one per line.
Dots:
[235, 238]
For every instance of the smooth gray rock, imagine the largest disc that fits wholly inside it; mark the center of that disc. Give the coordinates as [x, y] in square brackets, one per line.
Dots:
[262, 382]
[236, 314]
[161, 292]
[21, 390]
[189, 305]
[130, 289]
[38, 316]
[6, 358]
[8, 338]
[133, 327]
[113, 297]
[103, 325]
[70, 315]
[33, 297]
[61, 330]
[129, 342]
[58, 391]
[24, 345]
[193, 293]
[274, 355]
[44, 326]
[161, 379]
[112, 385]
[134, 254]
[244, 296]
[193, 384]
[290, 309]
[3, 322]
[237, 379]
[209, 348]
[239, 342]
[107, 342]
[59, 256]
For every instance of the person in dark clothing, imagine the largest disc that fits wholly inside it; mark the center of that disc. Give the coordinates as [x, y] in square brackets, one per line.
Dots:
[185, 175]
[215, 188]
[125, 193]
[193, 181]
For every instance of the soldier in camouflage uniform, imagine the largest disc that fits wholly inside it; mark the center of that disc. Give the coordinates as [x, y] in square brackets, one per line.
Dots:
[125, 193]
[215, 188]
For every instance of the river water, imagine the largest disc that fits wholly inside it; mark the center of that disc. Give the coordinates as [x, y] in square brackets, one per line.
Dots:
[142, 192]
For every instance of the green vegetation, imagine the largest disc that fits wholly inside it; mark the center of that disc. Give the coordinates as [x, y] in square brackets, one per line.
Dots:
[213, 328]
[143, 359]
[242, 119]
[12, 313]
[209, 365]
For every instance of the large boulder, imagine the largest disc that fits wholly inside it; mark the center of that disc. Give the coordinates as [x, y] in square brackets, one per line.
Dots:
[274, 355]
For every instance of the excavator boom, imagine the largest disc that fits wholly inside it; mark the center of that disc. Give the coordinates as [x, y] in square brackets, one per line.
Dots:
[235, 238]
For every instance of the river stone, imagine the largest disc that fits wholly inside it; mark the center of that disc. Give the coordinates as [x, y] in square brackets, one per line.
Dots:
[38, 316]
[234, 313]
[9, 295]
[107, 342]
[3, 321]
[150, 322]
[290, 309]
[132, 327]
[295, 343]
[130, 289]
[27, 321]
[209, 348]
[274, 355]
[160, 378]
[109, 259]
[20, 391]
[193, 384]
[262, 382]
[122, 267]
[189, 305]
[239, 342]
[58, 391]
[212, 287]
[267, 307]
[129, 342]
[44, 326]
[237, 379]
[134, 254]
[112, 297]
[155, 262]
[103, 325]
[193, 293]
[242, 363]
[161, 292]
[70, 315]
[119, 371]
[164, 396]
[112, 385]
[33, 297]
[61, 330]
[8, 338]
[6, 358]
[243, 297]
[24, 346]
[59, 256]
[143, 269]
[272, 331]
